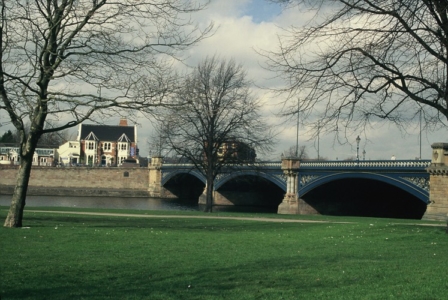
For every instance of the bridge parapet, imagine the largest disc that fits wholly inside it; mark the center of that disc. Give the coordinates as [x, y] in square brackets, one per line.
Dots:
[370, 164]
[258, 165]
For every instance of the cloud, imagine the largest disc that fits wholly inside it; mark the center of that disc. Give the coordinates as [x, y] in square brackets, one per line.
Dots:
[242, 27]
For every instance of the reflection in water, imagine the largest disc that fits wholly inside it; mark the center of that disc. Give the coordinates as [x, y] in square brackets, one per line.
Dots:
[105, 202]
[128, 203]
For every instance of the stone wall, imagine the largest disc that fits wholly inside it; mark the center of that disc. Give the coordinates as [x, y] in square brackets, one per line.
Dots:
[88, 181]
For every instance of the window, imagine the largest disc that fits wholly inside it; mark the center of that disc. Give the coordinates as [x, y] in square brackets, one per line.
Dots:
[124, 146]
[106, 146]
[126, 174]
[90, 145]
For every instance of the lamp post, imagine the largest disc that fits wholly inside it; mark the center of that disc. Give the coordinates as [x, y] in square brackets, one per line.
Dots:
[420, 134]
[364, 154]
[358, 139]
[298, 119]
[318, 140]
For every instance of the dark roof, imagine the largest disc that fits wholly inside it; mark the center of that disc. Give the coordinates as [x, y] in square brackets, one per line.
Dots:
[107, 132]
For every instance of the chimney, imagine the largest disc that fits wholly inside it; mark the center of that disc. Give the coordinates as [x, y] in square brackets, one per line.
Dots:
[123, 122]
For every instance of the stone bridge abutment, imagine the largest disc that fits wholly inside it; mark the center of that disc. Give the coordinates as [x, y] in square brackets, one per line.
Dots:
[438, 190]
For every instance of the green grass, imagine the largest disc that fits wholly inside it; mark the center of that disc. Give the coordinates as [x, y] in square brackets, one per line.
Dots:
[67, 256]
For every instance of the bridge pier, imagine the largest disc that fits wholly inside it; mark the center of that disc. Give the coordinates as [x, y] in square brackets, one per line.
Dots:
[438, 189]
[290, 203]
[155, 177]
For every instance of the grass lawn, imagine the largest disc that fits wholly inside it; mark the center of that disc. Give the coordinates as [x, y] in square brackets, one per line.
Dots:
[68, 256]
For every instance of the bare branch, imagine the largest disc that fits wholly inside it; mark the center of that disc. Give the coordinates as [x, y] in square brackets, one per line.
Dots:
[361, 61]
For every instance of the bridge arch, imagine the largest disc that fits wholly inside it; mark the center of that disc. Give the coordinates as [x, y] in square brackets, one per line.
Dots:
[276, 179]
[167, 176]
[396, 181]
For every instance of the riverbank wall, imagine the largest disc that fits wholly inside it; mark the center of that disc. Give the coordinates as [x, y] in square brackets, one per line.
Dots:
[80, 181]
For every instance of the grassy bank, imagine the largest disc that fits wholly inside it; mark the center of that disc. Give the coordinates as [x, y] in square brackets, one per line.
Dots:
[63, 256]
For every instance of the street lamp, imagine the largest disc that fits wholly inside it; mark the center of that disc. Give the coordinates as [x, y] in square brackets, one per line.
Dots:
[364, 154]
[420, 134]
[318, 140]
[298, 119]
[358, 139]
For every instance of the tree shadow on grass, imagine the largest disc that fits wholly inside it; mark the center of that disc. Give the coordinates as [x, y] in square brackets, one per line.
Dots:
[287, 277]
[263, 277]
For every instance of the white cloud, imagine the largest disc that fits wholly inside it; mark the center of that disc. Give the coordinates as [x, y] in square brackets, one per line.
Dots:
[237, 35]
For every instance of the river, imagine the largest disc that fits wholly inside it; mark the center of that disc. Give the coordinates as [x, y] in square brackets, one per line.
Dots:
[126, 203]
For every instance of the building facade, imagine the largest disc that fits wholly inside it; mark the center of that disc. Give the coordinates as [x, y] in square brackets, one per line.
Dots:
[104, 145]
[234, 151]
[69, 153]
[43, 156]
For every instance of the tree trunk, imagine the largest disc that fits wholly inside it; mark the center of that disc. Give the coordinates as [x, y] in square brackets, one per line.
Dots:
[209, 194]
[15, 214]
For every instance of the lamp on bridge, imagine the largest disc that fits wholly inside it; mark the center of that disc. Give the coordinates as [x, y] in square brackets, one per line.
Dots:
[358, 139]
[364, 154]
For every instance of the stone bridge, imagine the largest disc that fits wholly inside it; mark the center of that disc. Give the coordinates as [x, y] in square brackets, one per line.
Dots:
[409, 175]
[296, 178]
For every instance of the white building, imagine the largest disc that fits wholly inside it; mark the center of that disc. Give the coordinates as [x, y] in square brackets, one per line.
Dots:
[69, 153]
[43, 156]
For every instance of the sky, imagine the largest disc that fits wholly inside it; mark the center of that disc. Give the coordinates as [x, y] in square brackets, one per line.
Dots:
[249, 25]
[244, 26]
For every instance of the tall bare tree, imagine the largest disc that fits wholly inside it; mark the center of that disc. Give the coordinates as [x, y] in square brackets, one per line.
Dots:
[219, 120]
[357, 62]
[157, 143]
[294, 151]
[67, 61]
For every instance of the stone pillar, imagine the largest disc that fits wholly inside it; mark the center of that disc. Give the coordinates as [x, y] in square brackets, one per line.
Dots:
[155, 177]
[438, 188]
[203, 197]
[290, 203]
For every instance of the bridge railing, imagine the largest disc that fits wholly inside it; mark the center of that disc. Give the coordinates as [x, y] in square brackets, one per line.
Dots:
[368, 164]
[274, 164]
[331, 164]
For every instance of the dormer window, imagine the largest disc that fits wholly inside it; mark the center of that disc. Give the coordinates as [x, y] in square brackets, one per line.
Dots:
[91, 140]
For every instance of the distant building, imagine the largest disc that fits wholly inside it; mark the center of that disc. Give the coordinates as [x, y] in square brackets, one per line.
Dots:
[69, 153]
[96, 145]
[107, 145]
[43, 156]
[234, 151]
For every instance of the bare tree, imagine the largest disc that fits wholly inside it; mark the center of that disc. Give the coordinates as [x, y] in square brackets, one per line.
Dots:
[157, 143]
[293, 151]
[53, 138]
[219, 123]
[71, 60]
[357, 62]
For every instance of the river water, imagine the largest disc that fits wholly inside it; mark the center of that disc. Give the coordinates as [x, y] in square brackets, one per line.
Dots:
[126, 203]
[104, 202]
